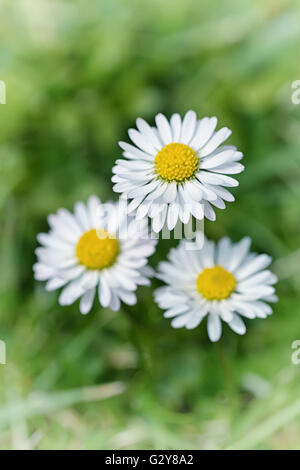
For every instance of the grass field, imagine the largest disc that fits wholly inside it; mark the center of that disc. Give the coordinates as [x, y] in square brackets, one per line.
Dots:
[77, 75]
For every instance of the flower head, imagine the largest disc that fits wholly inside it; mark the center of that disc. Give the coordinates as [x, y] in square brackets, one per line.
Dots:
[87, 253]
[223, 281]
[177, 169]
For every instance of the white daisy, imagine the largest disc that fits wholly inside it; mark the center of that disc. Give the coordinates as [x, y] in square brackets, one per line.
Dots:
[223, 282]
[177, 169]
[84, 253]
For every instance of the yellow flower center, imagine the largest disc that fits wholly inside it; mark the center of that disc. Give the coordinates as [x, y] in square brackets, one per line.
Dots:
[97, 249]
[176, 162]
[215, 283]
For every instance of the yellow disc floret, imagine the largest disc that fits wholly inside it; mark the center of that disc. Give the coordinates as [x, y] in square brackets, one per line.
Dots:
[215, 283]
[97, 249]
[176, 162]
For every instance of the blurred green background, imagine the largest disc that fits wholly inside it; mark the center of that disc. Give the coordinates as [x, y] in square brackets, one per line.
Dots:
[78, 74]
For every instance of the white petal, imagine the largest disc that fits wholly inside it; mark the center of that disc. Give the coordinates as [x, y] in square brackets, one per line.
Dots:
[138, 166]
[215, 141]
[123, 187]
[225, 311]
[136, 153]
[219, 203]
[86, 301]
[257, 264]
[71, 292]
[224, 252]
[222, 192]
[134, 204]
[255, 292]
[104, 292]
[81, 214]
[140, 142]
[214, 327]
[142, 210]
[170, 193]
[197, 210]
[209, 213]
[61, 230]
[175, 127]
[127, 297]
[53, 242]
[204, 132]
[69, 220]
[263, 277]
[144, 190]
[194, 190]
[123, 280]
[54, 259]
[239, 252]
[180, 321]
[159, 191]
[89, 279]
[215, 160]
[164, 129]
[188, 127]
[42, 272]
[114, 302]
[148, 133]
[243, 308]
[55, 283]
[215, 178]
[172, 217]
[95, 210]
[237, 325]
[159, 220]
[195, 319]
[271, 298]
[155, 209]
[146, 250]
[72, 273]
[229, 168]
[174, 311]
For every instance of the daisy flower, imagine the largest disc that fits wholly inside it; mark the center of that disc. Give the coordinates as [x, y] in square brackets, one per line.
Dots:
[85, 254]
[177, 169]
[223, 282]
